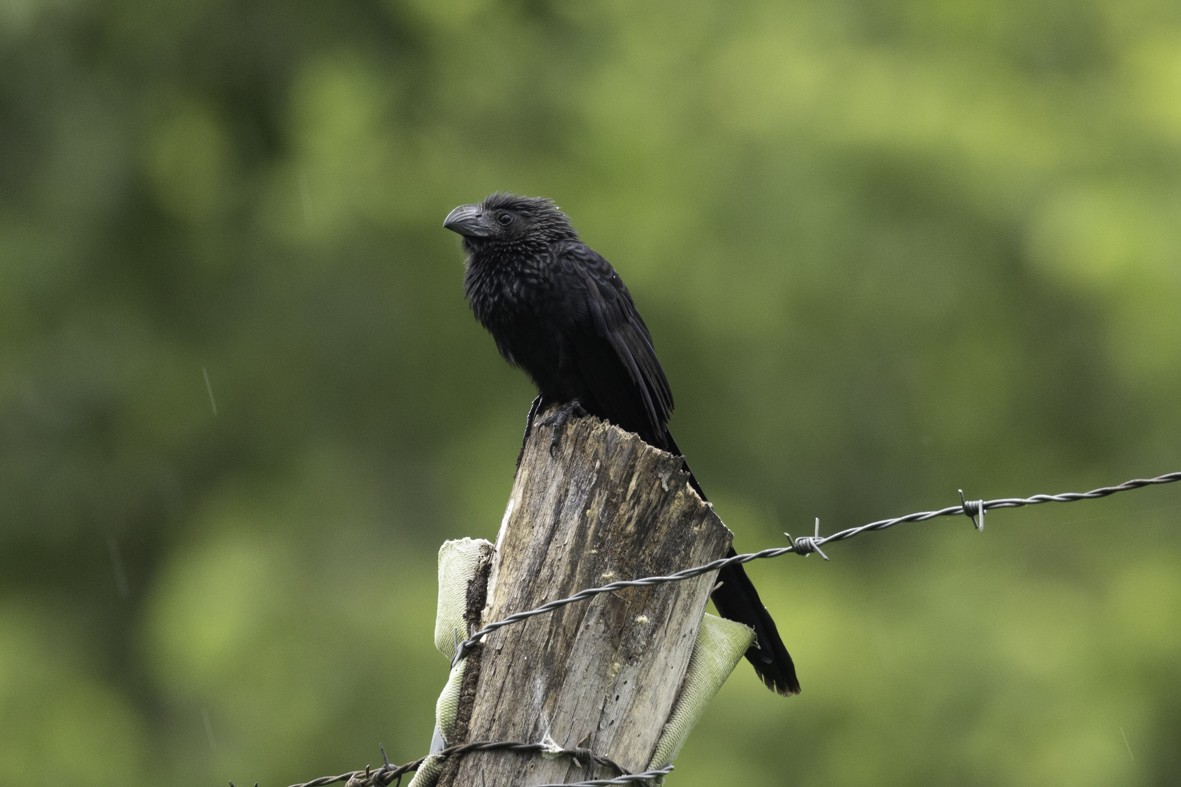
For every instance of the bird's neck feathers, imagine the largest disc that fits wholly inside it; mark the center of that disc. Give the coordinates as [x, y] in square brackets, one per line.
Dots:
[501, 278]
[522, 256]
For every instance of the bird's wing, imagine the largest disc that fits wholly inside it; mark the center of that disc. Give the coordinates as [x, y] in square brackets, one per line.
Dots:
[612, 349]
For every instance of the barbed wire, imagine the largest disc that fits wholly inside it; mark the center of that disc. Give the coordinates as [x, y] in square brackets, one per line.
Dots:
[390, 773]
[805, 545]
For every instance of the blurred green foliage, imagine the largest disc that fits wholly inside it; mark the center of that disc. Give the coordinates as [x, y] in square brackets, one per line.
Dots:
[886, 250]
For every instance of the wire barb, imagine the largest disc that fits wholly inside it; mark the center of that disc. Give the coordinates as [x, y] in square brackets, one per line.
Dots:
[806, 545]
[972, 509]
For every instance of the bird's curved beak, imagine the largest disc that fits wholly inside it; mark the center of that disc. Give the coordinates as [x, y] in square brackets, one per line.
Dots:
[468, 221]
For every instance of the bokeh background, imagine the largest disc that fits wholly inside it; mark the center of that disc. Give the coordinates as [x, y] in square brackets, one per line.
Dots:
[887, 250]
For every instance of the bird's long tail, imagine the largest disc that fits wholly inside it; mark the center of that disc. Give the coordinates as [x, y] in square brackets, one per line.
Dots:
[736, 599]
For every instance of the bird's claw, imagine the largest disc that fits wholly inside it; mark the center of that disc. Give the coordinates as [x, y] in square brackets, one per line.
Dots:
[557, 420]
[538, 404]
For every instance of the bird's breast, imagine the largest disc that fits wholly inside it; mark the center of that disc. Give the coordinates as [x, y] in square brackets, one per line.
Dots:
[506, 291]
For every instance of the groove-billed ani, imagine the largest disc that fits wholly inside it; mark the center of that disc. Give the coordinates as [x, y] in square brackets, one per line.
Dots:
[560, 312]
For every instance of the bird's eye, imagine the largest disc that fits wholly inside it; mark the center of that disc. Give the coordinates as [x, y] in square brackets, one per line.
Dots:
[504, 219]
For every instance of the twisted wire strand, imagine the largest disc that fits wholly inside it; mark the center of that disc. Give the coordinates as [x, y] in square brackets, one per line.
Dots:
[389, 772]
[805, 545]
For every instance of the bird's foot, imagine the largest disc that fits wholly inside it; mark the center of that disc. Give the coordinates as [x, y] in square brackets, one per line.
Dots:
[558, 417]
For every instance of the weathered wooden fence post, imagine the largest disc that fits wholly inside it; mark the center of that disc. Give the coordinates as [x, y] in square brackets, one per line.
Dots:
[601, 674]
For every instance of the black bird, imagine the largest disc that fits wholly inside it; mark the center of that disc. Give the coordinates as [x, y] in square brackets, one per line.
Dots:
[561, 313]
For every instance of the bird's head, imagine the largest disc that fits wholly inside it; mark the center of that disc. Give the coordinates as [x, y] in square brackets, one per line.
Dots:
[506, 219]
